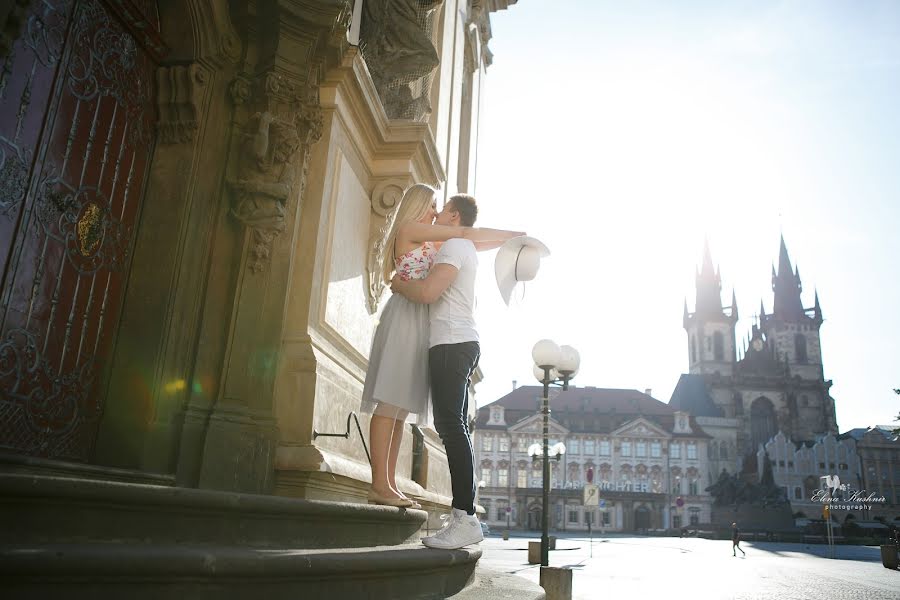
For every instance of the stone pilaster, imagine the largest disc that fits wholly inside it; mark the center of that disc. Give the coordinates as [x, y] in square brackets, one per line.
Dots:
[277, 120]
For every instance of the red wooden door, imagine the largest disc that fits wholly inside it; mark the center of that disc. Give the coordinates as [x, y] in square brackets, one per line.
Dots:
[76, 135]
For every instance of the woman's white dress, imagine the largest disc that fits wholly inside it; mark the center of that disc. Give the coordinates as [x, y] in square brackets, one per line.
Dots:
[398, 363]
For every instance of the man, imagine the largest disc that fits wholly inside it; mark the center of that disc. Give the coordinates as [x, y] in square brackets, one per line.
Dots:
[736, 540]
[452, 357]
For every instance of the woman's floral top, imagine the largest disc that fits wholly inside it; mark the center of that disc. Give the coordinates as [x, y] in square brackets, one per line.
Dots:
[416, 263]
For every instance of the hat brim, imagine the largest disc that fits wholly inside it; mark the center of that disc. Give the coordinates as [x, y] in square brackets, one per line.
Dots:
[505, 262]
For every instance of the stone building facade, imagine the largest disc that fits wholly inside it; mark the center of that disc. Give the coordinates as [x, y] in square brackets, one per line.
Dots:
[650, 462]
[220, 186]
[745, 394]
[878, 449]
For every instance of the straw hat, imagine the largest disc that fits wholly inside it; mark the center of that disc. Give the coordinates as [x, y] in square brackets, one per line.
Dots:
[518, 260]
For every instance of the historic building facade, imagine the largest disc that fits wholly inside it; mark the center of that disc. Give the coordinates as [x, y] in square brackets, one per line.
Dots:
[188, 285]
[650, 462]
[744, 394]
[768, 399]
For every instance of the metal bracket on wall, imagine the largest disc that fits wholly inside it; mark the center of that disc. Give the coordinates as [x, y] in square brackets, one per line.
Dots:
[346, 435]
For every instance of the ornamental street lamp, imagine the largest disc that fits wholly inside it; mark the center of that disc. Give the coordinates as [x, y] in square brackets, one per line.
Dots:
[553, 365]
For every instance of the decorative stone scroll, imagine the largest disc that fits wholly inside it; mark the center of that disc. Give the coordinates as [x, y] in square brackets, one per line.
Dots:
[385, 199]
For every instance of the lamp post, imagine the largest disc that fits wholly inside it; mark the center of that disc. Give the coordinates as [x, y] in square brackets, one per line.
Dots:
[553, 365]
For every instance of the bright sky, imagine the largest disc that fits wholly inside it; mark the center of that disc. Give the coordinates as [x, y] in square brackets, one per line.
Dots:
[622, 133]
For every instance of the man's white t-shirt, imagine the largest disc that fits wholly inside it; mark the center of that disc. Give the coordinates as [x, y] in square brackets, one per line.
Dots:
[453, 314]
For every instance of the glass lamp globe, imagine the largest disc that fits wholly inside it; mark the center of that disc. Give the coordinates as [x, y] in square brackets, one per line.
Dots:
[546, 353]
[569, 360]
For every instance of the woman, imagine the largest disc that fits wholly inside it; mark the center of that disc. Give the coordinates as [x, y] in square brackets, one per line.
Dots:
[397, 379]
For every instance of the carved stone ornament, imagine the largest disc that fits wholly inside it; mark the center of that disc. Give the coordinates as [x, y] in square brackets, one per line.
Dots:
[395, 40]
[385, 199]
[269, 174]
[179, 95]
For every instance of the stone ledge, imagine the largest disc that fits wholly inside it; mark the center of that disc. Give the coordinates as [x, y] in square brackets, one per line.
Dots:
[57, 509]
[155, 571]
[489, 584]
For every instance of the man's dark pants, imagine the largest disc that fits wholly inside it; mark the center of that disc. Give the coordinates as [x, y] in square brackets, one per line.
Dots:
[450, 367]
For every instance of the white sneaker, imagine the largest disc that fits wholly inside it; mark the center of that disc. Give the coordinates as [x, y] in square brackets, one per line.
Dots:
[460, 530]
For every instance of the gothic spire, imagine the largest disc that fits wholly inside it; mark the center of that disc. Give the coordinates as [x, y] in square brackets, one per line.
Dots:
[787, 288]
[709, 286]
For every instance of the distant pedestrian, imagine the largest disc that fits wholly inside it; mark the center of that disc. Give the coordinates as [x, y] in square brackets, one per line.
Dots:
[736, 540]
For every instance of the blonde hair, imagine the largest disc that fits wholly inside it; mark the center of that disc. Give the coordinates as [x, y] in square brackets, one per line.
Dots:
[415, 203]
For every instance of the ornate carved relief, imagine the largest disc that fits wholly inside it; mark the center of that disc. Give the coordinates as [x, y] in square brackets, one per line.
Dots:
[385, 198]
[395, 40]
[179, 95]
[268, 174]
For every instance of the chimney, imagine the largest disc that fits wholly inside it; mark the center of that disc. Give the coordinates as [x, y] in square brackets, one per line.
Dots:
[648, 391]
[514, 384]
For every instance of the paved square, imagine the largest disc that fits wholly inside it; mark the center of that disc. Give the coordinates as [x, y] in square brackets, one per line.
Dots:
[648, 567]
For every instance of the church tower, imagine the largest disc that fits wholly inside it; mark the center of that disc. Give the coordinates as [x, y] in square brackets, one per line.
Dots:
[792, 329]
[792, 334]
[711, 341]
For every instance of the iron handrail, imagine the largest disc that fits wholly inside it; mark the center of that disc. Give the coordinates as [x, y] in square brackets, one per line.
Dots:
[346, 435]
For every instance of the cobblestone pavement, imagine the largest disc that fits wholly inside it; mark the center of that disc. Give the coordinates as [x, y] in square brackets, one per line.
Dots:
[699, 569]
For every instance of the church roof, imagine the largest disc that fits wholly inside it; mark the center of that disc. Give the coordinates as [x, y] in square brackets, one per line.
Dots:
[691, 396]
[586, 410]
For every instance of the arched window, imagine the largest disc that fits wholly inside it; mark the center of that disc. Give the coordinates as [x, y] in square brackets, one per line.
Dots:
[763, 425]
[800, 348]
[718, 346]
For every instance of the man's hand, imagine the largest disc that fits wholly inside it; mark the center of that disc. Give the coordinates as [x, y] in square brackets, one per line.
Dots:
[428, 290]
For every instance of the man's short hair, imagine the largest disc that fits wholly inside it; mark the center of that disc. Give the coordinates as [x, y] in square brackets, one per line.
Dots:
[467, 208]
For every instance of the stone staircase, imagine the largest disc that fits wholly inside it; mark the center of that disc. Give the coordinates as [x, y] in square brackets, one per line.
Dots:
[105, 539]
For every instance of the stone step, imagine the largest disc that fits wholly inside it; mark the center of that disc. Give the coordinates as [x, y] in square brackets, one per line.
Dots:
[489, 584]
[44, 510]
[151, 571]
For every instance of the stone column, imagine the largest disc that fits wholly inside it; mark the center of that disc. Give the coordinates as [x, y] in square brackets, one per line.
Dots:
[277, 120]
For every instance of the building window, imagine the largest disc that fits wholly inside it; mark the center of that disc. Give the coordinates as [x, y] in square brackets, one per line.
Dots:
[486, 503]
[675, 450]
[800, 348]
[606, 518]
[573, 446]
[822, 466]
[655, 449]
[676, 522]
[790, 464]
[695, 519]
[502, 477]
[842, 466]
[522, 478]
[504, 444]
[573, 516]
[502, 505]
[692, 451]
[719, 346]
[798, 493]
[626, 449]
[486, 475]
[694, 487]
[487, 443]
[781, 463]
[589, 447]
[604, 447]
[723, 451]
[640, 449]
[676, 485]
[522, 444]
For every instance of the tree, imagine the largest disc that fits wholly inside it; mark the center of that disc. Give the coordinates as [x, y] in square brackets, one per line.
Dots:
[896, 430]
